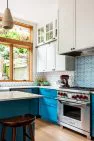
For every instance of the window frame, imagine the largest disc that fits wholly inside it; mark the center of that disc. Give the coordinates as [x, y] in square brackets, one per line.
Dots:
[11, 43]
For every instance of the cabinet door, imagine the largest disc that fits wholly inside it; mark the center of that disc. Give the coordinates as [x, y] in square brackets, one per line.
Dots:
[51, 51]
[66, 25]
[64, 63]
[84, 23]
[60, 62]
[49, 93]
[48, 113]
[41, 58]
[49, 32]
[41, 36]
[92, 115]
[48, 101]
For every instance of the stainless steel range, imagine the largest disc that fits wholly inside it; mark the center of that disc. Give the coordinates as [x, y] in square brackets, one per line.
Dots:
[74, 109]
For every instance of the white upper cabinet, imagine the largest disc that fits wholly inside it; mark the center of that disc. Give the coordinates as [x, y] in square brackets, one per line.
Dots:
[63, 63]
[51, 52]
[66, 19]
[47, 33]
[49, 60]
[84, 23]
[41, 58]
[76, 25]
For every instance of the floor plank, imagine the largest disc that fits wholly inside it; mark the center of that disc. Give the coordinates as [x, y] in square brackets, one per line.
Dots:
[50, 132]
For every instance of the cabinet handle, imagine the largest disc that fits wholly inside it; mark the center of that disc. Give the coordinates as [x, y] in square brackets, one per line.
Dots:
[54, 38]
[72, 48]
[53, 69]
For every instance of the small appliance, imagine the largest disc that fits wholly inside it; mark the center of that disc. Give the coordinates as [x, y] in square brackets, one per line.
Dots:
[64, 81]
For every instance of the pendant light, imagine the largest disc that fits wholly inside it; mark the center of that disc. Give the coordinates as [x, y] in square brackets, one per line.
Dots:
[7, 20]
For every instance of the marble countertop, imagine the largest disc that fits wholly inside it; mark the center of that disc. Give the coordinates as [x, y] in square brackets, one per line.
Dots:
[18, 87]
[48, 87]
[17, 95]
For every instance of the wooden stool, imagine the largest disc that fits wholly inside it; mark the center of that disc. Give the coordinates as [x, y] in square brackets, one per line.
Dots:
[19, 121]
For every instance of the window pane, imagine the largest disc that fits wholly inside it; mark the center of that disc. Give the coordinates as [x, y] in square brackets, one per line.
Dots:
[17, 33]
[4, 62]
[20, 64]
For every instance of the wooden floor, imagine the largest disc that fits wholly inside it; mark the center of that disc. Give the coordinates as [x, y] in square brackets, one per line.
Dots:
[49, 132]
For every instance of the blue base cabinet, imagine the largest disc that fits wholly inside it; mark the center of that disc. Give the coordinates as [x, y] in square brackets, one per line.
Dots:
[92, 115]
[48, 105]
[33, 103]
[14, 108]
[48, 113]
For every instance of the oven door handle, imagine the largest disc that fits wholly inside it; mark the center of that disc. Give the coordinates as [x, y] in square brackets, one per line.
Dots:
[82, 105]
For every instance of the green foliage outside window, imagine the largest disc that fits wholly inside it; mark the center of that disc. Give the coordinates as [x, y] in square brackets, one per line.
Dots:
[11, 35]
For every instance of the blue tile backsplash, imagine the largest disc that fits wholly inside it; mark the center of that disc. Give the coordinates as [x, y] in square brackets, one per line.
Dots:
[84, 71]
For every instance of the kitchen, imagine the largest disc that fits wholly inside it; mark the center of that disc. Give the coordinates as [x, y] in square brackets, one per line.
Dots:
[46, 70]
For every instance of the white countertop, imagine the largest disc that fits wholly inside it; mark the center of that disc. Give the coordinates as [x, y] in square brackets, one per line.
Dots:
[48, 87]
[17, 95]
[18, 87]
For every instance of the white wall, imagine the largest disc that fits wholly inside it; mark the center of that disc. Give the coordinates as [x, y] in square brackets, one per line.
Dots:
[39, 11]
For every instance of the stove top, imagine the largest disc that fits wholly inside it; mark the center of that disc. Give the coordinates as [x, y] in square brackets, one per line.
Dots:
[75, 94]
[82, 88]
[79, 89]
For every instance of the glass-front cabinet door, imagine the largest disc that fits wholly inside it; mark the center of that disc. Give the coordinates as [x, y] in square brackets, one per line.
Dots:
[55, 29]
[51, 31]
[41, 36]
[47, 33]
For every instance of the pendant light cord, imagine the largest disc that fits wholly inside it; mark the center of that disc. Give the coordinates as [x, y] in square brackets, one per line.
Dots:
[7, 3]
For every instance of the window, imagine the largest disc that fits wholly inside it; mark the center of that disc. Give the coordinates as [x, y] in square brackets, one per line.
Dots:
[20, 64]
[4, 62]
[16, 53]
[18, 32]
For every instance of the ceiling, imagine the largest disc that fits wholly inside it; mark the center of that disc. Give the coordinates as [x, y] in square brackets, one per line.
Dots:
[38, 11]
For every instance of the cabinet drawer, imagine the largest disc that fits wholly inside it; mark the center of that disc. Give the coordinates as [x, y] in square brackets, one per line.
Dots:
[48, 113]
[47, 101]
[51, 93]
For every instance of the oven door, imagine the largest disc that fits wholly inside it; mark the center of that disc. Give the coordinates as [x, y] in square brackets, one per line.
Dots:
[74, 114]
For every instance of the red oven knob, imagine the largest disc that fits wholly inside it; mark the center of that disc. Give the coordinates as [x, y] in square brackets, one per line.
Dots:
[81, 96]
[78, 96]
[74, 96]
[85, 97]
[65, 94]
[60, 94]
